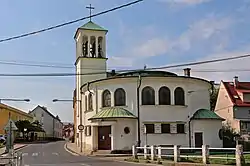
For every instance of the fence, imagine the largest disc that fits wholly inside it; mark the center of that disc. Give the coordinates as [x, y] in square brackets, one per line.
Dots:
[14, 159]
[155, 152]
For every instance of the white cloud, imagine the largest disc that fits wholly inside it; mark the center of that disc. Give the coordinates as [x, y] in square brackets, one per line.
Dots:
[151, 47]
[202, 30]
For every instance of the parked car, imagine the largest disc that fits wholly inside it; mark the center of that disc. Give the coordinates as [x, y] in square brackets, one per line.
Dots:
[2, 138]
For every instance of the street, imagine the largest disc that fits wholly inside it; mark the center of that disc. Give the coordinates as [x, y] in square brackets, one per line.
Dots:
[54, 154]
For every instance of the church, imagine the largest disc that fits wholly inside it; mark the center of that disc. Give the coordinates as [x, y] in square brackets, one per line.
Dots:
[115, 110]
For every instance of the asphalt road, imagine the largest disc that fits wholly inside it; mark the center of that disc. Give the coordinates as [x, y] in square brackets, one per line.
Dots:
[54, 154]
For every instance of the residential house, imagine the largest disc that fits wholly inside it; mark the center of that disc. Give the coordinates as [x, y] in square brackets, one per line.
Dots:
[142, 107]
[51, 124]
[14, 114]
[233, 104]
[68, 130]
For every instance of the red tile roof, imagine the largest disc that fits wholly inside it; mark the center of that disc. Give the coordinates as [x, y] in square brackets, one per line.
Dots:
[233, 91]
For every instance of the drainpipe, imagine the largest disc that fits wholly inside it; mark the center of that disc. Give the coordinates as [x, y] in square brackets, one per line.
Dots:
[138, 110]
[189, 131]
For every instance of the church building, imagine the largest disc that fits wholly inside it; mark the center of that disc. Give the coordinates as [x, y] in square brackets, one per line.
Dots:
[115, 110]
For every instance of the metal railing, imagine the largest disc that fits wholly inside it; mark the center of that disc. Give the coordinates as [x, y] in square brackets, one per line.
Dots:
[14, 159]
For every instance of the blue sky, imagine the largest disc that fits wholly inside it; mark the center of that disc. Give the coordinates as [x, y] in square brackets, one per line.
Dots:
[152, 33]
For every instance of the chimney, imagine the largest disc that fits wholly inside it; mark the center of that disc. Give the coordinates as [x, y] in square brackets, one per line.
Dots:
[236, 81]
[187, 72]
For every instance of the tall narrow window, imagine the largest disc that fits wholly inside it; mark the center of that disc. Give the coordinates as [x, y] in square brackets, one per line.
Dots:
[86, 103]
[148, 96]
[90, 101]
[179, 96]
[164, 96]
[120, 97]
[106, 99]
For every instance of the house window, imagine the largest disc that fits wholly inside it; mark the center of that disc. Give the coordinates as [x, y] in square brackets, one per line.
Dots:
[148, 96]
[120, 97]
[180, 128]
[106, 99]
[150, 128]
[165, 128]
[179, 96]
[90, 101]
[88, 130]
[164, 96]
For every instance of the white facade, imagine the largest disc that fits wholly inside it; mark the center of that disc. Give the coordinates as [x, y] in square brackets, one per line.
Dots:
[168, 123]
[52, 125]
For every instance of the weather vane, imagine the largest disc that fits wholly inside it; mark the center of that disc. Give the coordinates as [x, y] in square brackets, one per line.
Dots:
[90, 9]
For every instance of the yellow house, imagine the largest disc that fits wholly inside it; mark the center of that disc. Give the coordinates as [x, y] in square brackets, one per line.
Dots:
[14, 113]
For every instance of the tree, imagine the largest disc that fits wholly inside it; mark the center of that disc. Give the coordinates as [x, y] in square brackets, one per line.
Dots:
[30, 127]
[213, 98]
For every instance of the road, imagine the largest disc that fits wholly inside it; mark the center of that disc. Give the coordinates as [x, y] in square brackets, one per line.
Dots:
[54, 154]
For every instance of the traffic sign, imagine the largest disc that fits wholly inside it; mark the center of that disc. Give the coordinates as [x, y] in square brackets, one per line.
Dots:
[80, 127]
[13, 125]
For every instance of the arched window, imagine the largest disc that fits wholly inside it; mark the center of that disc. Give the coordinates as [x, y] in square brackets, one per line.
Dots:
[179, 96]
[90, 101]
[120, 97]
[106, 99]
[164, 96]
[148, 96]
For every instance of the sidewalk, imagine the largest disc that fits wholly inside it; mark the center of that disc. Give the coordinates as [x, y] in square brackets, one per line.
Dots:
[72, 147]
[16, 147]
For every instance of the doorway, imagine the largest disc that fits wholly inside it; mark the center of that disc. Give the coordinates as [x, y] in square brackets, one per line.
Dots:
[198, 139]
[104, 139]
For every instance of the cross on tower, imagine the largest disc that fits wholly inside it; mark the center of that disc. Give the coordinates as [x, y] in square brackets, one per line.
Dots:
[90, 9]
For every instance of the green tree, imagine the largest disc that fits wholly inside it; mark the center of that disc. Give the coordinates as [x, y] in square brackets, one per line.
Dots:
[213, 98]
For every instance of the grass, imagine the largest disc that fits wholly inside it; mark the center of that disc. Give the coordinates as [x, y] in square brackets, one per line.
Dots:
[1, 145]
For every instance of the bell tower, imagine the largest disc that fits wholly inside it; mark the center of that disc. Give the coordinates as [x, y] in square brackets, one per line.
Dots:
[90, 52]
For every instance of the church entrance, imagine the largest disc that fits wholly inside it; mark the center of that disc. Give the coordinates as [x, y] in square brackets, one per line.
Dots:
[104, 139]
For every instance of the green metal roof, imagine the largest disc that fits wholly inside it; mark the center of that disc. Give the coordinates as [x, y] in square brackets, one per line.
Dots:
[206, 114]
[92, 26]
[147, 73]
[113, 112]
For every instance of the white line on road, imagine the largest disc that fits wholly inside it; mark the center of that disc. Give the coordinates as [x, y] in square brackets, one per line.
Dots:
[54, 153]
[34, 154]
[85, 164]
[25, 154]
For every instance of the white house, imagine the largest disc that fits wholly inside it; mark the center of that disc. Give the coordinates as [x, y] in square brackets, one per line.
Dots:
[119, 110]
[233, 104]
[51, 124]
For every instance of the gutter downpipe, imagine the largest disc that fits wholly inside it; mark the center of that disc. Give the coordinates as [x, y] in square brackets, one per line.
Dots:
[189, 131]
[138, 110]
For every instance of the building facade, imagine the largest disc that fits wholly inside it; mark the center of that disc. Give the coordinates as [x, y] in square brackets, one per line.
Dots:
[119, 110]
[14, 114]
[51, 124]
[233, 104]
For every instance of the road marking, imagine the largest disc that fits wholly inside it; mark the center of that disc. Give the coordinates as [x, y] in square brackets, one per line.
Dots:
[85, 164]
[34, 154]
[25, 154]
[55, 153]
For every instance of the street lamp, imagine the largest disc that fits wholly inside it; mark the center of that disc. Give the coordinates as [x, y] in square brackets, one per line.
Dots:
[80, 127]
[7, 99]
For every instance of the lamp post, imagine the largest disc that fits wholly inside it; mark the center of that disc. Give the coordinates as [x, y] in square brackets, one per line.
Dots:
[80, 127]
[9, 136]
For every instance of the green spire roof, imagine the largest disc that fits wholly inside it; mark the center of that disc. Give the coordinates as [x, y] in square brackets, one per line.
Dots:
[92, 26]
[206, 114]
[113, 112]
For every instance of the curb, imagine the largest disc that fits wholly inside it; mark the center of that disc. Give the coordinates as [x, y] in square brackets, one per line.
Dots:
[15, 149]
[70, 150]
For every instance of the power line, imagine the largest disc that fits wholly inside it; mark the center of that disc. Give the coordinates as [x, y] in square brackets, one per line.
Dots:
[70, 22]
[120, 71]
[200, 62]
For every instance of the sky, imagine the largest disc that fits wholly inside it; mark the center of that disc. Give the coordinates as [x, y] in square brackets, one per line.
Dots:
[152, 33]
